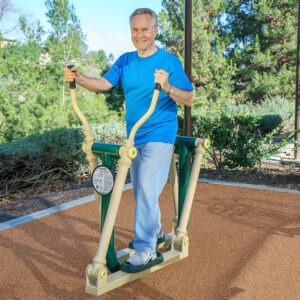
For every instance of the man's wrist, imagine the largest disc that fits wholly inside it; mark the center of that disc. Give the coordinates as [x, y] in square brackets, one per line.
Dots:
[80, 79]
[170, 91]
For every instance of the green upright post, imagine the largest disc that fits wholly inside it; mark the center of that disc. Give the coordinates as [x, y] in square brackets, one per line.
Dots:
[184, 176]
[111, 257]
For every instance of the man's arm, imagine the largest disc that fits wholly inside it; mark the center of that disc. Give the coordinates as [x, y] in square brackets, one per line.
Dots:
[181, 97]
[97, 85]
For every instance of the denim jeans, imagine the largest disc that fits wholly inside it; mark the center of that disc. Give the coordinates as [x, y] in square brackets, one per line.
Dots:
[149, 173]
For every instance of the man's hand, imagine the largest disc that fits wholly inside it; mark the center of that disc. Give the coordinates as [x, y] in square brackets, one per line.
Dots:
[71, 74]
[181, 97]
[162, 77]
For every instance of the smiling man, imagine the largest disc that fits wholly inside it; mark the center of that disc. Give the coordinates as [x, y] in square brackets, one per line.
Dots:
[137, 72]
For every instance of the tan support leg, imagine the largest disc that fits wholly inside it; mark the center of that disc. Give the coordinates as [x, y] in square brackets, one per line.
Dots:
[181, 230]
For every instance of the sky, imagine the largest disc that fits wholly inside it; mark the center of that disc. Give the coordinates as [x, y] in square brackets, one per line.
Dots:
[105, 22]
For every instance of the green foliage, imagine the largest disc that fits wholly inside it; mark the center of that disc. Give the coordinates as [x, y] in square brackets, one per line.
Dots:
[234, 139]
[262, 42]
[61, 147]
[25, 109]
[269, 122]
[98, 59]
[110, 132]
[212, 73]
[66, 39]
[115, 100]
[243, 52]
[52, 155]
[64, 143]
[33, 33]
[31, 95]
[93, 106]
[272, 112]
[275, 105]
[58, 141]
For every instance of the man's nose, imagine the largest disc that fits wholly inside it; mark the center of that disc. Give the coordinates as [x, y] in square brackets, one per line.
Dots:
[139, 34]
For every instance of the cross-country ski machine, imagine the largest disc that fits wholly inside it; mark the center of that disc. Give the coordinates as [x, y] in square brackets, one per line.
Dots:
[107, 270]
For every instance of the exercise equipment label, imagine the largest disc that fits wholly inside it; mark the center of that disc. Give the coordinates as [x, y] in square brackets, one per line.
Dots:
[103, 180]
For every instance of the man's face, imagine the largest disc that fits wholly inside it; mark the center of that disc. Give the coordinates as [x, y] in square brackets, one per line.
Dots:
[142, 32]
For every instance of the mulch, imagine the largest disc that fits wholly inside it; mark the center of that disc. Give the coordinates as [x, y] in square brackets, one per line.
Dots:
[244, 244]
[56, 192]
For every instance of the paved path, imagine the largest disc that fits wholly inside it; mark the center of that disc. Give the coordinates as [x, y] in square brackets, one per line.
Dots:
[285, 155]
[244, 244]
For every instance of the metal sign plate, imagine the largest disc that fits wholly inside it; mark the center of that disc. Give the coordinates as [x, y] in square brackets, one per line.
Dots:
[103, 180]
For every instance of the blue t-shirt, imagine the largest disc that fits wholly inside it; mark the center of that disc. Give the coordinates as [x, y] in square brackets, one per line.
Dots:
[136, 76]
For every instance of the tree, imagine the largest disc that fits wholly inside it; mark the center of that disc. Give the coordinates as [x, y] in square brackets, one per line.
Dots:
[33, 33]
[212, 71]
[7, 11]
[262, 44]
[66, 40]
[32, 93]
[29, 97]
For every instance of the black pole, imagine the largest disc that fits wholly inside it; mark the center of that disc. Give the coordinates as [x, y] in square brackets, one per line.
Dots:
[188, 60]
[297, 106]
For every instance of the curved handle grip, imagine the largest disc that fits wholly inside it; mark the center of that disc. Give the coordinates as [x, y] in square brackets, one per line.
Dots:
[72, 83]
[157, 86]
[89, 138]
[147, 115]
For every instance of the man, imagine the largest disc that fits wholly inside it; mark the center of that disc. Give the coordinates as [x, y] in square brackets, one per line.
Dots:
[137, 72]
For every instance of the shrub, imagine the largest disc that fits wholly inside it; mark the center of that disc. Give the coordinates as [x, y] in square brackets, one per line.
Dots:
[276, 105]
[272, 112]
[267, 123]
[54, 154]
[234, 139]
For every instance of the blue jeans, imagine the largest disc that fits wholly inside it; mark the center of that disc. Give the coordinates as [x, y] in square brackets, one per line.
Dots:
[149, 174]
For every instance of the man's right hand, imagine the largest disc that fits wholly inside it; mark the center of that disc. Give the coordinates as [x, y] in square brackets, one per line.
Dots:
[93, 84]
[71, 74]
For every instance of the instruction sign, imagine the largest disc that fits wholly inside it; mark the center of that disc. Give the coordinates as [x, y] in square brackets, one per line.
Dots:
[103, 180]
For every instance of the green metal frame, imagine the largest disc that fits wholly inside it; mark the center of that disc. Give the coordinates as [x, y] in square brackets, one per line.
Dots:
[108, 154]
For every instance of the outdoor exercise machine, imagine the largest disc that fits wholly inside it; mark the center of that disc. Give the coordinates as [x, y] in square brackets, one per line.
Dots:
[108, 270]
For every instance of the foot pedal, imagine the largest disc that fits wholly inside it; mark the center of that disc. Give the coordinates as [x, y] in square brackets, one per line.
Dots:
[129, 268]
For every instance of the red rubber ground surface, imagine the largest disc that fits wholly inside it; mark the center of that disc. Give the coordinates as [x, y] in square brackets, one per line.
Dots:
[244, 244]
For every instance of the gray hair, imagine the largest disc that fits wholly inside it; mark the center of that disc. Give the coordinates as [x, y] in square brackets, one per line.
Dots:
[145, 11]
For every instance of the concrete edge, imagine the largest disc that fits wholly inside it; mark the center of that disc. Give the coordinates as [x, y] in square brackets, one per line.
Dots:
[74, 203]
[250, 186]
[50, 211]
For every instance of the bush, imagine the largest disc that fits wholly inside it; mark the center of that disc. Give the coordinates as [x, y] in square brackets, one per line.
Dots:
[54, 154]
[276, 105]
[234, 139]
[272, 112]
[267, 123]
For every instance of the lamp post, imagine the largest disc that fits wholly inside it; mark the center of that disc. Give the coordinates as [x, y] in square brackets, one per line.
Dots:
[188, 60]
[297, 106]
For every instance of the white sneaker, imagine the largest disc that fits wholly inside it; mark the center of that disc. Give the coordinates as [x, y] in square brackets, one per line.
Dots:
[141, 258]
